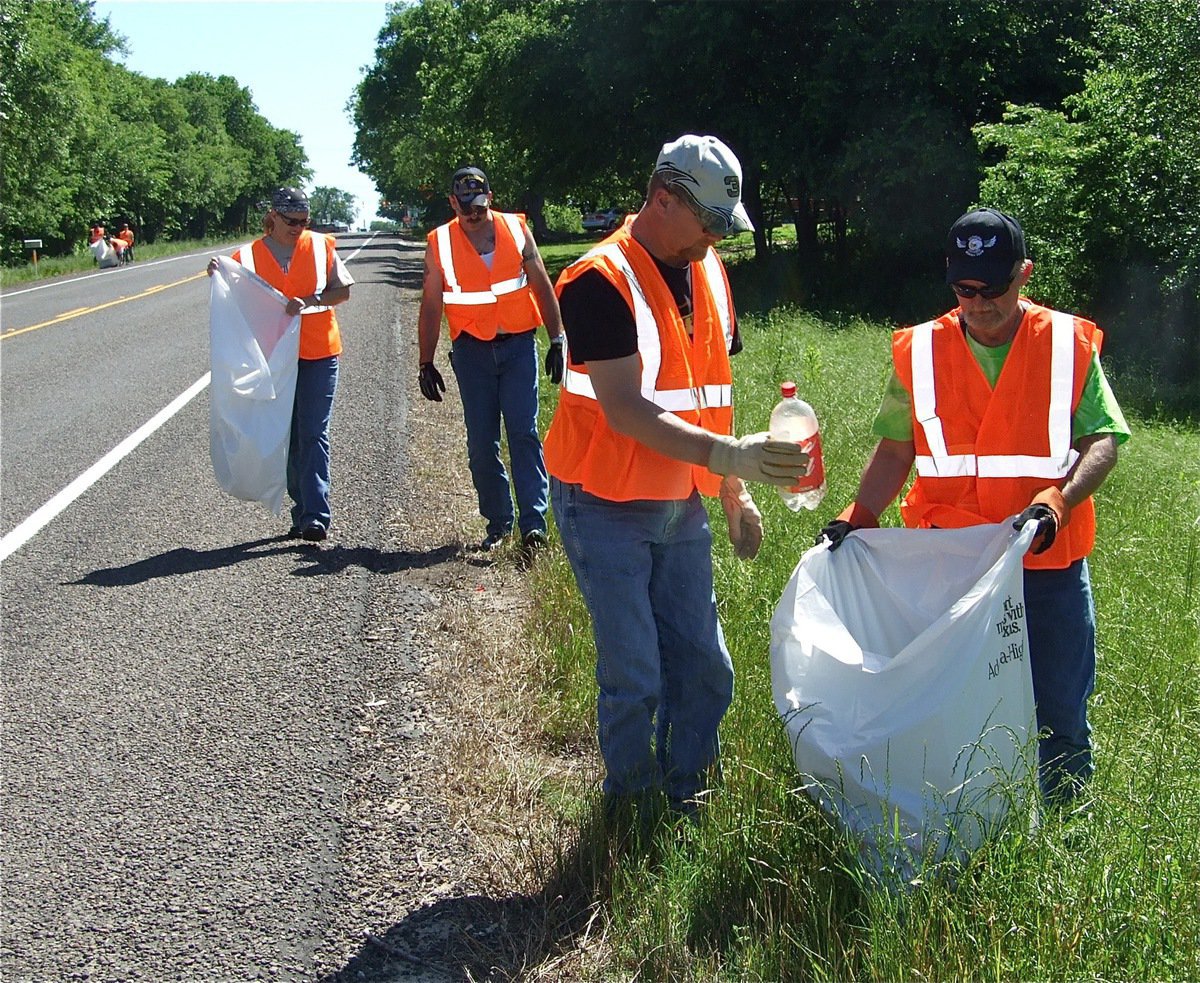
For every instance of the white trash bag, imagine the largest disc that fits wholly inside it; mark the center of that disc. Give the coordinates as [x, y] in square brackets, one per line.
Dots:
[104, 253]
[900, 666]
[255, 346]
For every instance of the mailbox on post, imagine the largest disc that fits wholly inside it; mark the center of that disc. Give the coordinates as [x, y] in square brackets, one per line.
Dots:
[35, 245]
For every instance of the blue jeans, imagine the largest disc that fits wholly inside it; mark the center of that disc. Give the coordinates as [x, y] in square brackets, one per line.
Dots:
[644, 569]
[1061, 620]
[500, 379]
[308, 446]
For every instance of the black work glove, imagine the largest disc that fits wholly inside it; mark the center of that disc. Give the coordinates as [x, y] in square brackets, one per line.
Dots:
[835, 532]
[1047, 529]
[853, 516]
[431, 382]
[554, 362]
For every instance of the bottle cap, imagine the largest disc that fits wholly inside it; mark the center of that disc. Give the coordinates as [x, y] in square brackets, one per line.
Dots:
[787, 390]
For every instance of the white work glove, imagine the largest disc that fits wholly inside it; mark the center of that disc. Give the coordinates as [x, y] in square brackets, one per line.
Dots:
[759, 458]
[745, 521]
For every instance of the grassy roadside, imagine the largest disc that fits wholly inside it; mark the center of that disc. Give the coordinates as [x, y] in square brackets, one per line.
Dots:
[764, 889]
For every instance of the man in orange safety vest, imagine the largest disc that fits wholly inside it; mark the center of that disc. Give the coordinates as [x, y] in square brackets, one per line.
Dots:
[643, 429]
[1003, 410]
[484, 271]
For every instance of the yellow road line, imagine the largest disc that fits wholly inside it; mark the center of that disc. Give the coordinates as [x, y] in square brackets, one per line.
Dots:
[99, 307]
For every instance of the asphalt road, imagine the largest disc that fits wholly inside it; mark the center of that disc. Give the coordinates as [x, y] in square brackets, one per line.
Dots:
[178, 678]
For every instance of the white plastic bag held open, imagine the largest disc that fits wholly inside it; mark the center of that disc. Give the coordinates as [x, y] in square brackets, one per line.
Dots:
[900, 666]
[255, 346]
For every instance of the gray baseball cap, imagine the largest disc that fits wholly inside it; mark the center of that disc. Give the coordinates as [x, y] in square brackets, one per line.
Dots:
[709, 173]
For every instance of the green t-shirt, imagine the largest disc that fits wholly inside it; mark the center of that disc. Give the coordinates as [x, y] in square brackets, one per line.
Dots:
[1097, 412]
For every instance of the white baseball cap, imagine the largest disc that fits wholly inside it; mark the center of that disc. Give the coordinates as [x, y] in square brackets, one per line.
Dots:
[707, 172]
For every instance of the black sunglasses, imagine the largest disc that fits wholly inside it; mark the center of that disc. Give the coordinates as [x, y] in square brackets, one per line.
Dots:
[713, 223]
[293, 222]
[987, 293]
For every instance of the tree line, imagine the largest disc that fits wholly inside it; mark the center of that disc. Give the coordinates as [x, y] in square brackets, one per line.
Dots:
[82, 139]
[865, 125]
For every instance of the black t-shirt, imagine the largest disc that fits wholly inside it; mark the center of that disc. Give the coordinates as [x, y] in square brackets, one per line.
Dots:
[600, 325]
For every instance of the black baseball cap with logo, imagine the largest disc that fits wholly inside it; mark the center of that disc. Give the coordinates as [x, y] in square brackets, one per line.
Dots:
[470, 186]
[985, 245]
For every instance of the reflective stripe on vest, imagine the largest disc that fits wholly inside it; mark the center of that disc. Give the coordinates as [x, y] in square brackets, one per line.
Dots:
[320, 264]
[650, 347]
[941, 464]
[716, 283]
[453, 292]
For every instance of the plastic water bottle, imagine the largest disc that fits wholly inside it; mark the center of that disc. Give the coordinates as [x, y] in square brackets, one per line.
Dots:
[794, 420]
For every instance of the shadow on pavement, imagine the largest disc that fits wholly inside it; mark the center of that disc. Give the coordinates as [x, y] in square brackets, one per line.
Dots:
[317, 560]
[335, 559]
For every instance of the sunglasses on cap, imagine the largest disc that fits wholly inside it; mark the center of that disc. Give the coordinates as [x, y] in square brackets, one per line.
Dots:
[293, 222]
[990, 292]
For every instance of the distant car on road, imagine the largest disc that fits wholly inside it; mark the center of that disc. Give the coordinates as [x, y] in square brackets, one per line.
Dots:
[604, 221]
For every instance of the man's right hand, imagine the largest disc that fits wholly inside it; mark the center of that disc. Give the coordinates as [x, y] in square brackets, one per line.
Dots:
[431, 382]
[835, 532]
[759, 458]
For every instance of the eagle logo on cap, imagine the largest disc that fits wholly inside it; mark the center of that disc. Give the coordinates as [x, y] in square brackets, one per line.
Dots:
[975, 245]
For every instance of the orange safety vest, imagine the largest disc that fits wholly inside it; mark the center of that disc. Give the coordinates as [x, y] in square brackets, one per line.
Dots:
[126, 236]
[477, 300]
[689, 376]
[982, 454]
[308, 273]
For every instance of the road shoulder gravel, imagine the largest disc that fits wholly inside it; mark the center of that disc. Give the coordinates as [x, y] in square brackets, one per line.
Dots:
[444, 831]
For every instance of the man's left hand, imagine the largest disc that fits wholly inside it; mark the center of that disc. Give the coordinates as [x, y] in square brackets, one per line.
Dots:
[744, 519]
[554, 362]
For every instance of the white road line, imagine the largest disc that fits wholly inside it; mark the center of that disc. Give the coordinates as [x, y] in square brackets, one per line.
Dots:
[44, 515]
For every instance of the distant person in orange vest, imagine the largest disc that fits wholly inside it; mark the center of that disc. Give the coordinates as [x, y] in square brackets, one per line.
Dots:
[484, 271]
[120, 247]
[643, 429]
[126, 236]
[1004, 409]
[305, 267]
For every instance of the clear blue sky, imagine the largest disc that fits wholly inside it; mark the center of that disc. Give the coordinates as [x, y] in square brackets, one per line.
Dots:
[300, 59]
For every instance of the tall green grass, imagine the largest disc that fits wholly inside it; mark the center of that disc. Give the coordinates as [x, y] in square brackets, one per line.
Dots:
[764, 888]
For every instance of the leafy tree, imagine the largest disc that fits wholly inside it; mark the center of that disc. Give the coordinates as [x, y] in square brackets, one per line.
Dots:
[329, 205]
[1108, 187]
[853, 117]
[52, 152]
[141, 177]
[84, 139]
[410, 109]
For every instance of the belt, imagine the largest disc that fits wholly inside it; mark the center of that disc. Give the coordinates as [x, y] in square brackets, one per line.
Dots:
[500, 336]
